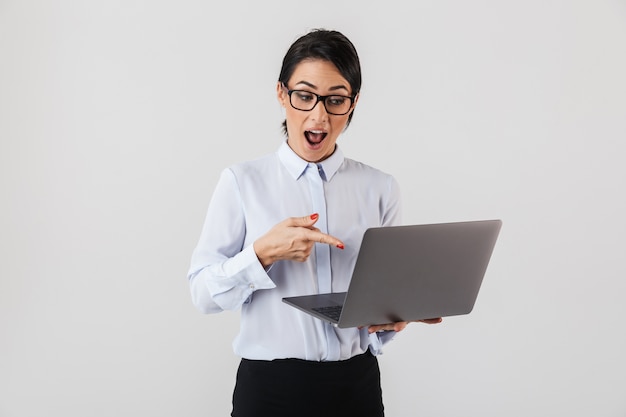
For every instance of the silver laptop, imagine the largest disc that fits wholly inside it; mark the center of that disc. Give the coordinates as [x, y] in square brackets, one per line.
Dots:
[407, 273]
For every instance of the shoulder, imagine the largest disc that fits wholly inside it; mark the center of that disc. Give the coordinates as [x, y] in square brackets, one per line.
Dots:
[254, 167]
[366, 179]
[353, 167]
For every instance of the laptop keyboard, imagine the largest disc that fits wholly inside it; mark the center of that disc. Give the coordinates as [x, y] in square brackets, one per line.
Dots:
[332, 312]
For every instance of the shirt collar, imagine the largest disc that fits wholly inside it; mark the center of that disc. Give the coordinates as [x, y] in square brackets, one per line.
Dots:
[296, 165]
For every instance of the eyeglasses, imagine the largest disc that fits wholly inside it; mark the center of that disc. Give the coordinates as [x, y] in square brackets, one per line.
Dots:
[306, 101]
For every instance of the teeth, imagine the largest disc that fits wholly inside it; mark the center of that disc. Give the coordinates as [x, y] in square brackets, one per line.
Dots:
[317, 132]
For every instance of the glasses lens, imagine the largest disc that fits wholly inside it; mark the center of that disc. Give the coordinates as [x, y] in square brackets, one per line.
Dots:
[337, 104]
[303, 100]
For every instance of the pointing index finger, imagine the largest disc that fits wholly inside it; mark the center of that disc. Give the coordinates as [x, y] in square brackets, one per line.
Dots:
[320, 237]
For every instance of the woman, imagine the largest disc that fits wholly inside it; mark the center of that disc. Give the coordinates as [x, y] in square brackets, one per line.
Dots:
[290, 223]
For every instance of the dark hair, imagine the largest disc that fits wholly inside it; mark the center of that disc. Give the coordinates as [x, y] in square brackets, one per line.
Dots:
[327, 45]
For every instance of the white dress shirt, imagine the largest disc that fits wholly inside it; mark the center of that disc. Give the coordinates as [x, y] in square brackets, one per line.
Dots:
[252, 197]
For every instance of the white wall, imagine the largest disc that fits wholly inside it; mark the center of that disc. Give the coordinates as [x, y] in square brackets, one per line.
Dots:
[117, 116]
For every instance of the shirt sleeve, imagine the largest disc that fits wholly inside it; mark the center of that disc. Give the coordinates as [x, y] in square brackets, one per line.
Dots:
[392, 204]
[223, 273]
[391, 216]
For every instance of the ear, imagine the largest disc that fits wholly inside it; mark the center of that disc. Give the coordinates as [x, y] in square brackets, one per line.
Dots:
[281, 94]
[356, 99]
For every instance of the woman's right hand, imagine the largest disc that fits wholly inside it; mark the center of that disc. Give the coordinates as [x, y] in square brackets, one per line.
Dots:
[292, 239]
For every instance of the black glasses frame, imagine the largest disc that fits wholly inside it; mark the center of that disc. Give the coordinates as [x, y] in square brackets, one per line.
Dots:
[319, 98]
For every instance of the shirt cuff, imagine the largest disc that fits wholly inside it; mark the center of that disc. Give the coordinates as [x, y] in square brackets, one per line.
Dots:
[240, 276]
[259, 278]
[378, 339]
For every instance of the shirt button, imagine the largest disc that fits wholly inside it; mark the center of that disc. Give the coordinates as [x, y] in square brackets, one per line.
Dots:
[251, 286]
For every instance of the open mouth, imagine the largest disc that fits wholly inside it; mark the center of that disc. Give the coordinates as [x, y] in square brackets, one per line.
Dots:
[314, 137]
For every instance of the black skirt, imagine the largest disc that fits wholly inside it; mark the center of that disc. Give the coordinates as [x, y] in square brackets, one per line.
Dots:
[294, 387]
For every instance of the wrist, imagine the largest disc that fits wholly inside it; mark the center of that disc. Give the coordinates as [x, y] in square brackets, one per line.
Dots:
[261, 255]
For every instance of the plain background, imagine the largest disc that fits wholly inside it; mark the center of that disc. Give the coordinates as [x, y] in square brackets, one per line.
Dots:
[116, 118]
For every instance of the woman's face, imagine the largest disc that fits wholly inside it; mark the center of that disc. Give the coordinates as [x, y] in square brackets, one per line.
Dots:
[313, 134]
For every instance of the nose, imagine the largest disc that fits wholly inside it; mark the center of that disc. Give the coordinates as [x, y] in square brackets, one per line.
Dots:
[319, 112]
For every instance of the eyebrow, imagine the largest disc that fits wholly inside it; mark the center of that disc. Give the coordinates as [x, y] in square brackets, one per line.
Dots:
[336, 87]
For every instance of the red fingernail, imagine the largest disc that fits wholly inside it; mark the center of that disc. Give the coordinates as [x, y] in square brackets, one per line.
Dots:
[340, 246]
[314, 216]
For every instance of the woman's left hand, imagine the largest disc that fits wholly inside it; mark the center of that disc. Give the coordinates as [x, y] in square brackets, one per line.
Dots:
[401, 325]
